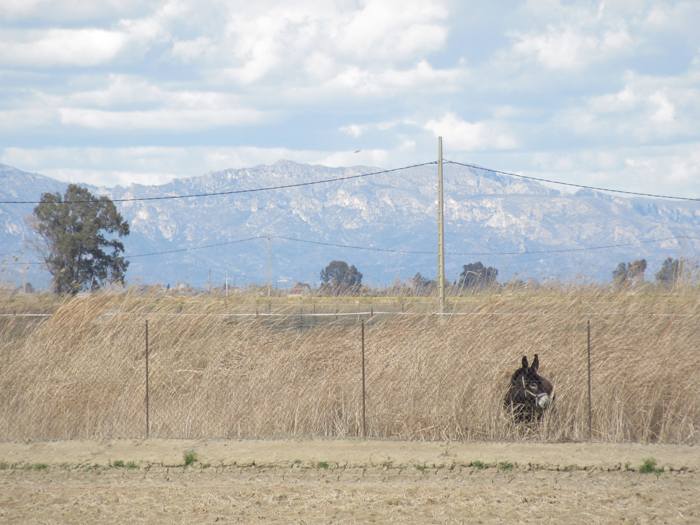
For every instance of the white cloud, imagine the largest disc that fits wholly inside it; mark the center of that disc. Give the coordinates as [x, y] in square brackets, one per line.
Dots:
[128, 103]
[665, 111]
[646, 108]
[330, 39]
[571, 36]
[393, 30]
[381, 82]
[539, 78]
[465, 136]
[171, 119]
[319, 66]
[121, 90]
[73, 10]
[423, 74]
[622, 101]
[353, 130]
[64, 47]
[675, 173]
[15, 119]
[190, 50]
[374, 157]
[89, 46]
[664, 170]
[570, 48]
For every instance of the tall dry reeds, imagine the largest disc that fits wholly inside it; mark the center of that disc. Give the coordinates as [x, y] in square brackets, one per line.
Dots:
[246, 367]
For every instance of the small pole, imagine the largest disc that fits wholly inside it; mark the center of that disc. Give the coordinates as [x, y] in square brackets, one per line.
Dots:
[147, 400]
[441, 232]
[364, 421]
[268, 268]
[590, 417]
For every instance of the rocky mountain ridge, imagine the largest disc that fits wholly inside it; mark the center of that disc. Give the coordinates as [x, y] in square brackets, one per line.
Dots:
[512, 224]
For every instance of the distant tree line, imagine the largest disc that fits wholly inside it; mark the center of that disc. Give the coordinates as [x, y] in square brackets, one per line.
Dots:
[632, 273]
[339, 278]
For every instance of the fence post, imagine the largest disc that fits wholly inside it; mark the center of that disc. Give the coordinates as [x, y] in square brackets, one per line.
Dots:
[147, 400]
[590, 417]
[364, 421]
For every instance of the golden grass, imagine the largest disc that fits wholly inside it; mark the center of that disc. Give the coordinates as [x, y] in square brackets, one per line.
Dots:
[217, 372]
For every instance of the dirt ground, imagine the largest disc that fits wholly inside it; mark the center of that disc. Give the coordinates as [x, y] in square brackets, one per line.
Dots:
[346, 481]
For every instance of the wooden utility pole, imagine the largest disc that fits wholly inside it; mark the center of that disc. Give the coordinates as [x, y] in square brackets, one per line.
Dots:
[148, 426]
[364, 419]
[441, 231]
[269, 283]
[590, 407]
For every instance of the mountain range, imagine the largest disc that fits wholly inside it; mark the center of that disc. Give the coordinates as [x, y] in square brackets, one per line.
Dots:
[522, 228]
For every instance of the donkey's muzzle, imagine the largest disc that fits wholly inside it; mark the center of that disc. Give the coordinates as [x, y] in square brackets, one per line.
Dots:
[543, 401]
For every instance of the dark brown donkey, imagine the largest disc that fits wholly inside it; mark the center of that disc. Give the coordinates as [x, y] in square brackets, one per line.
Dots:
[529, 394]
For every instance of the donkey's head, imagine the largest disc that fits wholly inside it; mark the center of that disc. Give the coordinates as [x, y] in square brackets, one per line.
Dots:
[529, 394]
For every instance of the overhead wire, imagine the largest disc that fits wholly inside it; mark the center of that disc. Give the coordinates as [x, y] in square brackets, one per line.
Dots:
[195, 247]
[251, 190]
[362, 175]
[413, 252]
[388, 250]
[474, 166]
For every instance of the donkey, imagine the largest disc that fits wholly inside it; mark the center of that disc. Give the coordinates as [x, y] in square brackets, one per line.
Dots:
[529, 394]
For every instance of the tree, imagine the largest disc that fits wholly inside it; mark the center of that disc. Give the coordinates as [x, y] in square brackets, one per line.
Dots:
[421, 285]
[72, 239]
[669, 273]
[620, 273]
[476, 274]
[339, 276]
[633, 271]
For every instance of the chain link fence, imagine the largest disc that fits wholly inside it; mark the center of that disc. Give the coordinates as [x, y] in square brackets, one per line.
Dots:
[299, 372]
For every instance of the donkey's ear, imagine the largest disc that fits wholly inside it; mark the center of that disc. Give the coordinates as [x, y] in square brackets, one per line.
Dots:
[535, 364]
[524, 361]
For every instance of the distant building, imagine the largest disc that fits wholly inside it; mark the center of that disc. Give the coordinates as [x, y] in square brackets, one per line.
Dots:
[300, 290]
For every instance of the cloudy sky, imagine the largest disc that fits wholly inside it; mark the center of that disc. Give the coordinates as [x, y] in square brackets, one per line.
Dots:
[605, 93]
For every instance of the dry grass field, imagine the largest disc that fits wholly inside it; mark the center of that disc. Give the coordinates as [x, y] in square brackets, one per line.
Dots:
[346, 481]
[230, 367]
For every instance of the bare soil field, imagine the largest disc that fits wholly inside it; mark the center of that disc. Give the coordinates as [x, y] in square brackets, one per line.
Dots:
[346, 481]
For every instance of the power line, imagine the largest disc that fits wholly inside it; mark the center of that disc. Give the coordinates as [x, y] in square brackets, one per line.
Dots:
[193, 248]
[253, 190]
[350, 246]
[567, 250]
[387, 250]
[478, 253]
[362, 175]
[571, 184]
